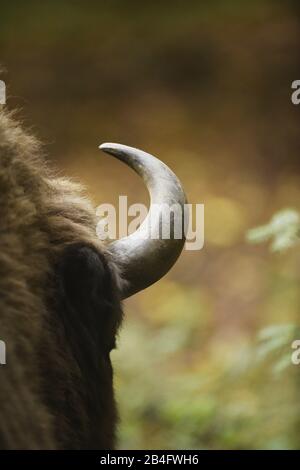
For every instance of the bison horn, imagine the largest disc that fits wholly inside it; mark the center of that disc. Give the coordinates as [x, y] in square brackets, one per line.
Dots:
[142, 257]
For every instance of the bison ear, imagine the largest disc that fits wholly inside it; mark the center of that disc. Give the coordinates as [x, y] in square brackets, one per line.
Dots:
[83, 277]
[86, 302]
[86, 305]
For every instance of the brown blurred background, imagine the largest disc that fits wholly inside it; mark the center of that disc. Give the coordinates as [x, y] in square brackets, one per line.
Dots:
[207, 88]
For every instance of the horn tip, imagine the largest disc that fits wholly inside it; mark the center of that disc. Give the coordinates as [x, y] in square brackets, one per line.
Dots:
[110, 147]
[119, 151]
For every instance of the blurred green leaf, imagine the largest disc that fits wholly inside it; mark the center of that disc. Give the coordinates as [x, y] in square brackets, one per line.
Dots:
[283, 231]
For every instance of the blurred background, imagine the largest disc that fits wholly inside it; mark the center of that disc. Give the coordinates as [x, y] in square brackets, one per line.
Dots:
[204, 355]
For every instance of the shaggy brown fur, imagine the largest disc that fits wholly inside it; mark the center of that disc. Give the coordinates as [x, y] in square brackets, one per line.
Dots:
[59, 307]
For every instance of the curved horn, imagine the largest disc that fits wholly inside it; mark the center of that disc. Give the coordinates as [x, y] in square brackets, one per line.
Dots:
[144, 259]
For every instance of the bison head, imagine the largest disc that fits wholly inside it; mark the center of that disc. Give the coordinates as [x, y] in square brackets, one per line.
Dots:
[61, 291]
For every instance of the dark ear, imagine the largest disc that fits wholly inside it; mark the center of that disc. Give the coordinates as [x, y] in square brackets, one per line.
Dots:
[82, 273]
[89, 305]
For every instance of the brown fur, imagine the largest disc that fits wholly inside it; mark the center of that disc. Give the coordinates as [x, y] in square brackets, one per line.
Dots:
[53, 393]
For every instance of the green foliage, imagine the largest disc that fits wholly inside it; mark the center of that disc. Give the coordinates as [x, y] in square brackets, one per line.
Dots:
[178, 386]
[274, 345]
[181, 385]
[283, 231]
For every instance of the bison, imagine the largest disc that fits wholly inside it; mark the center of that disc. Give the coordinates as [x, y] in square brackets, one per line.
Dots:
[61, 293]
